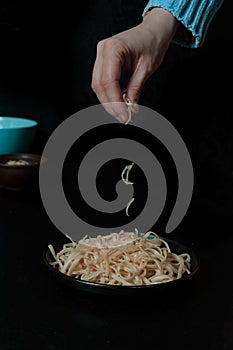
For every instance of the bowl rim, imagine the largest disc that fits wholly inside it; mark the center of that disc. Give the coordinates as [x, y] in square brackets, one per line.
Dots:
[33, 123]
[41, 159]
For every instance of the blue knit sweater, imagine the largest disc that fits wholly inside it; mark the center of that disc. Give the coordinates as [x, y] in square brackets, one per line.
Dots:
[195, 15]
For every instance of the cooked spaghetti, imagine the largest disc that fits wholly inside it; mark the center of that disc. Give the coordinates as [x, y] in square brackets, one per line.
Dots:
[124, 258]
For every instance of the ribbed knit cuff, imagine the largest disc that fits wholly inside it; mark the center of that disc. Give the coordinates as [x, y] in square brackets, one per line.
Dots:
[195, 15]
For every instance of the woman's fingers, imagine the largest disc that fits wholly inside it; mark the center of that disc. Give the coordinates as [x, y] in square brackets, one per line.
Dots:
[136, 83]
[140, 50]
[97, 77]
[106, 77]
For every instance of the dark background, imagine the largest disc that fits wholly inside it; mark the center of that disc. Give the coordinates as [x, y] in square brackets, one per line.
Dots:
[46, 61]
[48, 52]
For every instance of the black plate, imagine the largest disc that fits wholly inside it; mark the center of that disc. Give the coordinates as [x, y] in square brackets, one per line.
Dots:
[99, 288]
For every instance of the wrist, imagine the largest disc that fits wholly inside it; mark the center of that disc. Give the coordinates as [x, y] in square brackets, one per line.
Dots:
[156, 17]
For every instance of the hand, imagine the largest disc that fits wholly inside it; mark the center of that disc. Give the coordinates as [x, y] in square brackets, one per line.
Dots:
[140, 50]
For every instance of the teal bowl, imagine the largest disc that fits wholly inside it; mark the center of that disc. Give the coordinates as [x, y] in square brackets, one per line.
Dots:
[17, 134]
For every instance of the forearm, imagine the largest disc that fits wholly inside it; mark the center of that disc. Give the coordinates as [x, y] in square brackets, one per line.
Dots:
[194, 15]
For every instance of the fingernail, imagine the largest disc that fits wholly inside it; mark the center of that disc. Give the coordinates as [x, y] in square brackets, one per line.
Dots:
[120, 118]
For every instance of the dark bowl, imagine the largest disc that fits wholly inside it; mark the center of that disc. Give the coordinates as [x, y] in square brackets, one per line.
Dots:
[19, 175]
[118, 290]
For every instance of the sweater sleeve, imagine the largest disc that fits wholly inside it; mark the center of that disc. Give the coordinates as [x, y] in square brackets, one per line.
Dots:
[195, 16]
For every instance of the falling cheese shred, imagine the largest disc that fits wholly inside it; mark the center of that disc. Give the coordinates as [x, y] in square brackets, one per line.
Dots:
[126, 171]
[125, 179]
[128, 205]
[129, 105]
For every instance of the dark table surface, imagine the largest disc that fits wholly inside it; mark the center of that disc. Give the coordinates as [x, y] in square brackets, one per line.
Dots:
[39, 312]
